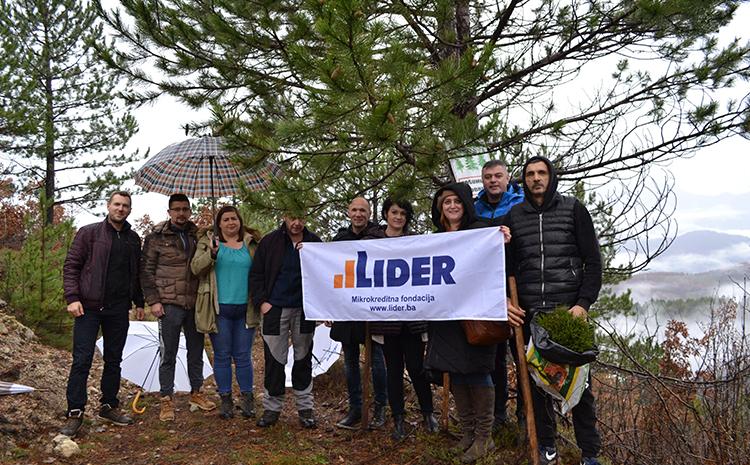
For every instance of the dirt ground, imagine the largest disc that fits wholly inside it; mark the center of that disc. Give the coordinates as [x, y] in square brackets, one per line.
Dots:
[28, 423]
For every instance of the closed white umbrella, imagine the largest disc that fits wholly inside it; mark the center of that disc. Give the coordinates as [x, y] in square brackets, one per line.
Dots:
[7, 388]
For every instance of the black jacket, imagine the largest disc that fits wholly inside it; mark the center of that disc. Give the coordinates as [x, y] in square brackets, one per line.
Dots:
[554, 251]
[267, 262]
[447, 348]
[352, 332]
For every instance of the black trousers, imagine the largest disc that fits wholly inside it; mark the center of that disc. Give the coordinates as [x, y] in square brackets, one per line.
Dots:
[114, 325]
[406, 349]
[500, 378]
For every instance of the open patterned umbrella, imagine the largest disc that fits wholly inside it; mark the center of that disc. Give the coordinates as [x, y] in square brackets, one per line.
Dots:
[200, 167]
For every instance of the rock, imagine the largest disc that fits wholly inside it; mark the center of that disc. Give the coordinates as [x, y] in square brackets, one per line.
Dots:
[3, 328]
[65, 446]
[3, 303]
[100, 429]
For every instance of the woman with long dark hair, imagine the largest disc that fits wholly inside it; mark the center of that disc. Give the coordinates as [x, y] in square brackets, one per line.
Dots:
[403, 341]
[223, 308]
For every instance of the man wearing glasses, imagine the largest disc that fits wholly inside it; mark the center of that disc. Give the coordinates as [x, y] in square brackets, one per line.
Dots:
[170, 289]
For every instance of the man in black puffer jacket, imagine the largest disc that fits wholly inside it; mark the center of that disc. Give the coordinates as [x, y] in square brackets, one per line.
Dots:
[556, 261]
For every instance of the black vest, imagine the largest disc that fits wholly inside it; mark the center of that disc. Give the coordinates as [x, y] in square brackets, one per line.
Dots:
[550, 268]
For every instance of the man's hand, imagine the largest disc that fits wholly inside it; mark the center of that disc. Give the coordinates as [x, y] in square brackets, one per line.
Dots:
[265, 307]
[157, 310]
[75, 309]
[506, 234]
[328, 323]
[515, 315]
[578, 311]
[140, 313]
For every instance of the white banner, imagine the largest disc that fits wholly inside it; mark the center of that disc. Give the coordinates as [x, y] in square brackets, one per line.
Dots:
[448, 276]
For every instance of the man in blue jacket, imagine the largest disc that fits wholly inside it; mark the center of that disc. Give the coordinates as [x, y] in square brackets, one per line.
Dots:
[491, 205]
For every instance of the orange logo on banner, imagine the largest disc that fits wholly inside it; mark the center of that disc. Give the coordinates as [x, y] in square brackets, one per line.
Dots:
[348, 276]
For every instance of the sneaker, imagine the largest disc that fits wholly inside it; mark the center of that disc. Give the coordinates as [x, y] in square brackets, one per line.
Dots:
[352, 418]
[430, 423]
[73, 423]
[269, 418]
[590, 461]
[198, 400]
[166, 410]
[306, 419]
[113, 415]
[547, 455]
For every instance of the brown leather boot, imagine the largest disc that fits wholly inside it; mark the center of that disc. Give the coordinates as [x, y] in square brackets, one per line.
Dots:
[483, 399]
[166, 410]
[465, 410]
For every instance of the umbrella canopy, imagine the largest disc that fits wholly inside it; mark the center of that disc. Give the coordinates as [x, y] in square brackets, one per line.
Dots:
[200, 167]
[140, 358]
[325, 353]
[7, 389]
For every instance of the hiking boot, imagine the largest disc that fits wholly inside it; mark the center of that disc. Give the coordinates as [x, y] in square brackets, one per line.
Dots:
[430, 423]
[547, 456]
[398, 432]
[483, 398]
[73, 423]
[226, 410]
[247, 405]
[306, 419]
[352, 418]
[269, 418]
[465, 410]
[589, 461]
[114, 416]
[378, 417]
[166, 411]
[198, 400]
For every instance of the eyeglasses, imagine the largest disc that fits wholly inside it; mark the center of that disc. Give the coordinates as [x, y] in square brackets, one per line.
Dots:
[182, 209]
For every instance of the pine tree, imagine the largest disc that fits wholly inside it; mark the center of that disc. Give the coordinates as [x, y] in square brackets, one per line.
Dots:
[60, 112]
[360, 97]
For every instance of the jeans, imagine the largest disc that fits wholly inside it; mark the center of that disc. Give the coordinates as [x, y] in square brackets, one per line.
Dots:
[114, 325]
[178, 319]
[354, 380]
[234, 341]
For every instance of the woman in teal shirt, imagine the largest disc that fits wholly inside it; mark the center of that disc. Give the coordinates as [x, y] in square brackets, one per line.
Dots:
[224, 308]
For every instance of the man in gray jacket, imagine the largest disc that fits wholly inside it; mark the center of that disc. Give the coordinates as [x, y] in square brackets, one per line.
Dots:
[170, 289]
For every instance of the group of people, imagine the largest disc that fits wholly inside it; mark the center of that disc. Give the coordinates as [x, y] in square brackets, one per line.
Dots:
[227, 281]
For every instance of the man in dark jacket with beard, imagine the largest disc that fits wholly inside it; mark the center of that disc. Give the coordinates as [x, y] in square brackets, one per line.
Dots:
[170, 289]
[352, 333]
[556, 261]
[100, 279]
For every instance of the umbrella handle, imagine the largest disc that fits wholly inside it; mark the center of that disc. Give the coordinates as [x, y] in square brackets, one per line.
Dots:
[134, 405]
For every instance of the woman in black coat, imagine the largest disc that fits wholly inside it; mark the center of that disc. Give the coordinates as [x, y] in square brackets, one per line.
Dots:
[403, 341]
[448, 350]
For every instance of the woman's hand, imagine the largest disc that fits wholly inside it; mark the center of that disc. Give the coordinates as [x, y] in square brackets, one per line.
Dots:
[506, 233]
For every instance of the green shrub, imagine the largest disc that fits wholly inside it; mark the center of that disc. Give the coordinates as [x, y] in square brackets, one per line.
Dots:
[576, 334]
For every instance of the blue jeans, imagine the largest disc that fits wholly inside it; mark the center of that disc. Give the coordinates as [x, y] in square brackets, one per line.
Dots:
[233, 342]
[354, 380]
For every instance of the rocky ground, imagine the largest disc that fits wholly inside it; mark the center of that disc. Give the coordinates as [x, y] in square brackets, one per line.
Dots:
[29, 423]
